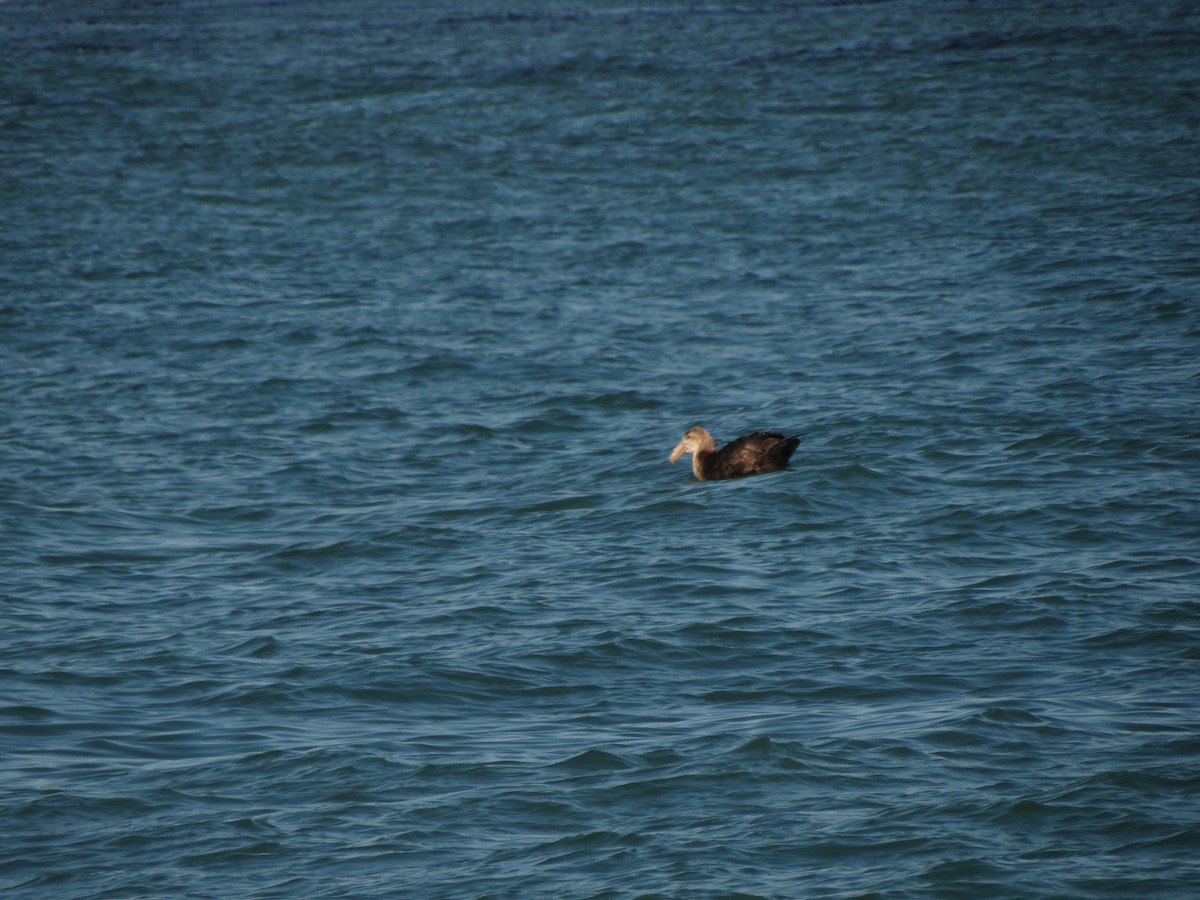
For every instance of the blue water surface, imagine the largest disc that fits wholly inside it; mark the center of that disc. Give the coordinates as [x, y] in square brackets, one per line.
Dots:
[342, 347]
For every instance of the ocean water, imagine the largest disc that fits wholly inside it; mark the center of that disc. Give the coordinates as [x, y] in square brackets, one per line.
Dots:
[342, 346]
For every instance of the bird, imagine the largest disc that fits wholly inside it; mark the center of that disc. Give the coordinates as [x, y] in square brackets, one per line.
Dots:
[751, 454]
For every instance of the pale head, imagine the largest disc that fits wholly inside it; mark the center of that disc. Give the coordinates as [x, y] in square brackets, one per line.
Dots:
[695, 439]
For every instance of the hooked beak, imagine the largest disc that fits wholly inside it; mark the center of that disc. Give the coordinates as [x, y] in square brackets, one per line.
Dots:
[678, 452]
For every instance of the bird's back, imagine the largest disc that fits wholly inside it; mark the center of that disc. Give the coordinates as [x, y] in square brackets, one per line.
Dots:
[751, 454]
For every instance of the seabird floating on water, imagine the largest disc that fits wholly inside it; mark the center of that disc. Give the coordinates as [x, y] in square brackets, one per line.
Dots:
[751, 454]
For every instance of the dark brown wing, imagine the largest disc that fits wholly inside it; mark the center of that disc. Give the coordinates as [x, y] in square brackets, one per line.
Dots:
[751, 454]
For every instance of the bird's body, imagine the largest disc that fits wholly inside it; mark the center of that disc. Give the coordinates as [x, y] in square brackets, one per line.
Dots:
[751, 454]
